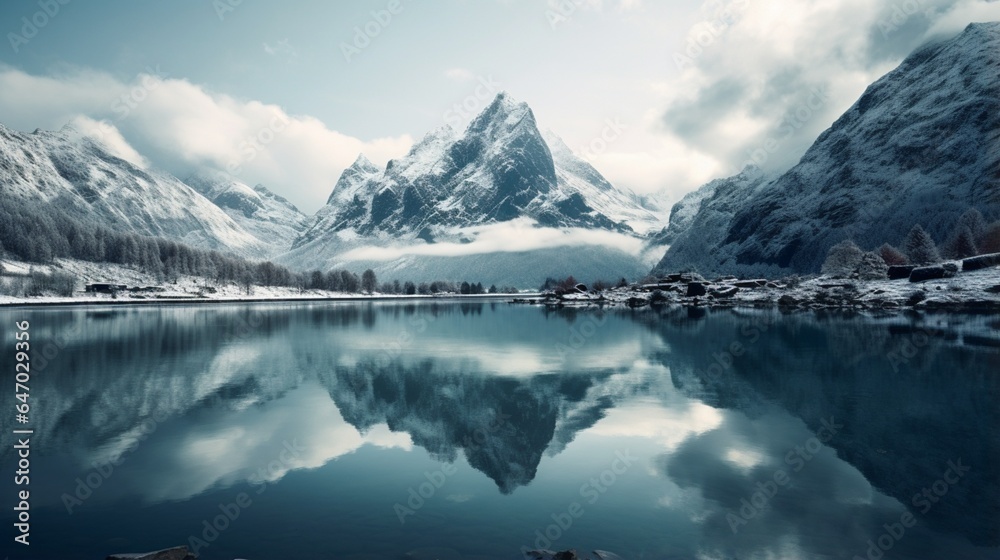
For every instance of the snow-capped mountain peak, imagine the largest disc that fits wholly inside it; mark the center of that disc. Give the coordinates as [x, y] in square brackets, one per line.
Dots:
[351, 178]
[499, 169]
[503, 114]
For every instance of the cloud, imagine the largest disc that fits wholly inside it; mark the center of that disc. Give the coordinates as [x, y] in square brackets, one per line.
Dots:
[282, 48]
[184, 128]
[522, 234]
[459, 74]
[259, 444]
[761, 81]
[109, 137]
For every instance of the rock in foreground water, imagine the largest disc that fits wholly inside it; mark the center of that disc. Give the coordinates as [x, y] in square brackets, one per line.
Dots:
[176, 553]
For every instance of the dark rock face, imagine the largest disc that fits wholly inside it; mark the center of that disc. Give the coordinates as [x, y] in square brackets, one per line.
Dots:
[900, 272]
[981, 262]
[177, 553]
[916, 122]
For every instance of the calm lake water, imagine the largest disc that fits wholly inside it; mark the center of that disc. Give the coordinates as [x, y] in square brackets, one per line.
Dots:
[471, 430]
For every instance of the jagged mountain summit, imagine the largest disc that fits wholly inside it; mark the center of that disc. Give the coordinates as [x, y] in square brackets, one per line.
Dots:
[501, 169]
[922, 145]
[270, 218]
[81, 178]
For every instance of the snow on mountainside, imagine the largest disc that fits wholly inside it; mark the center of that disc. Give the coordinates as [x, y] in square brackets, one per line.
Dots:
[79, 177]
[709, 208]
[451, 185]
[575, 176]
[922, 145]
[267, 216]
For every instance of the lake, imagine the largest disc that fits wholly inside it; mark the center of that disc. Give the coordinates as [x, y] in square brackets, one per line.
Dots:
[458, 430]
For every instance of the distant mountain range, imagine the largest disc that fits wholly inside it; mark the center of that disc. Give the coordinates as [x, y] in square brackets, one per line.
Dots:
[922, 145]
[506, 203]
[500, 177]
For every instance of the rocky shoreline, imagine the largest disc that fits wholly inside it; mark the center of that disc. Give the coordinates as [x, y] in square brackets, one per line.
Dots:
[969, 285]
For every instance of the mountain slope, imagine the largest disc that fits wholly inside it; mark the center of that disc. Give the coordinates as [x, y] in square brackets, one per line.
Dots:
[575, 177]
[922, 145]
[79, 177]
[268, 217]
[452, 187]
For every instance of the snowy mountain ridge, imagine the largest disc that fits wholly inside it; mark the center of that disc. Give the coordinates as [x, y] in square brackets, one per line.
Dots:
[922, 145]
[270, 218]
[81, 178]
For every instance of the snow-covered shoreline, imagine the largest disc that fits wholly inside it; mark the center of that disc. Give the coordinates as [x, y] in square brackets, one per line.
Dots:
[977, 290]
[185, 290]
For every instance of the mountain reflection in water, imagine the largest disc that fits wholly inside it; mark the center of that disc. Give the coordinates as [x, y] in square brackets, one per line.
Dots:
[192, 404]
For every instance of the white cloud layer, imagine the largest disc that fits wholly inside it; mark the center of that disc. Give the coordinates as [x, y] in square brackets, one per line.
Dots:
[514, 236]
[759, 81]
[183, 127]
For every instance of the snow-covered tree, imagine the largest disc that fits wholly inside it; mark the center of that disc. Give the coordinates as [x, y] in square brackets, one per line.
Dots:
[368, 281]
[962, 244]
[872, 267]
[972, 219]
[920, 248]
[842, 259]
[892, 256]
[349, 281]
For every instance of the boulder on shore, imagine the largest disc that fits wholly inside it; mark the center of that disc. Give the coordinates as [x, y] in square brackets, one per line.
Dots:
[696, 289]
[750, 284]
[635, 302]
[787, 301]
[725, 291]
[936, 272]
[900, 271]
[981, 262]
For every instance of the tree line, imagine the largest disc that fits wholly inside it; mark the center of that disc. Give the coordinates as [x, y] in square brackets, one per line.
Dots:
[39, 234]
[971, 236]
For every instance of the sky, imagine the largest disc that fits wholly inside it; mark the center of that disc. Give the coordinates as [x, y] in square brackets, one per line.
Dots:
[660, 97]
